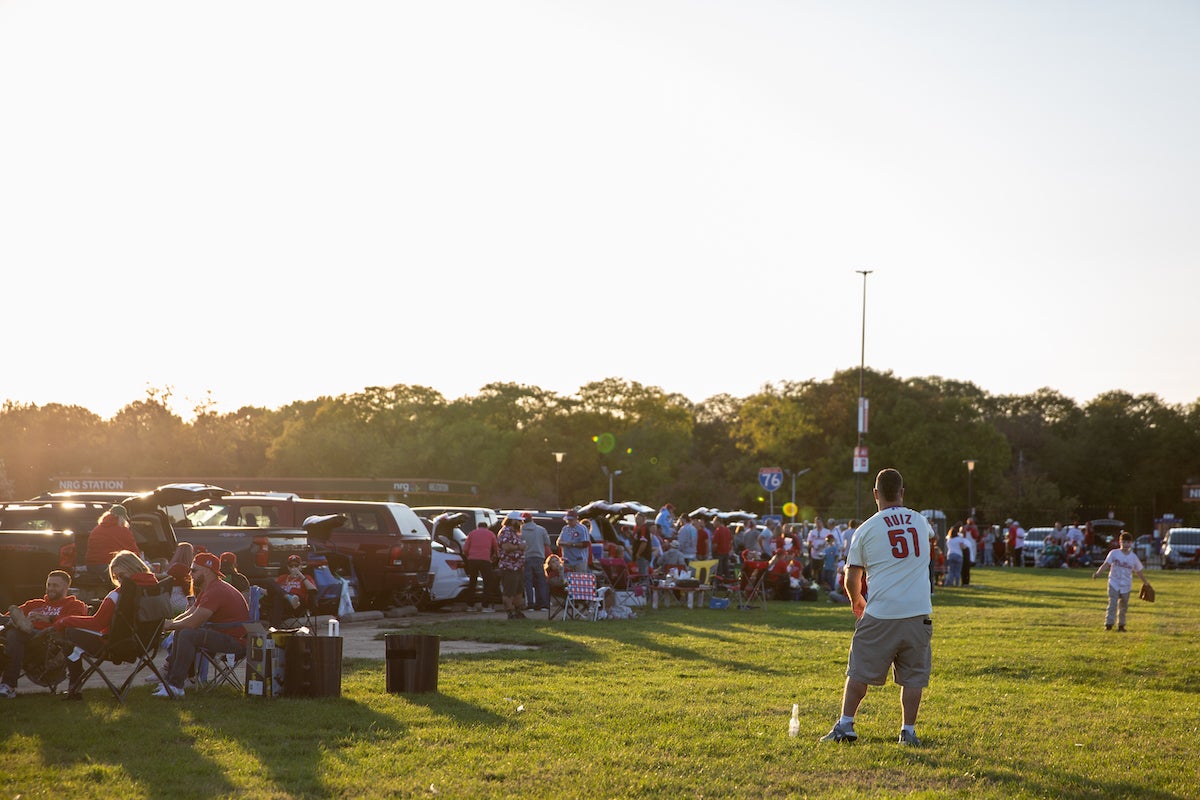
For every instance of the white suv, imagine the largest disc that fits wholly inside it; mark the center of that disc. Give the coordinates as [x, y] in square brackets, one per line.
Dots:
[1180, 546]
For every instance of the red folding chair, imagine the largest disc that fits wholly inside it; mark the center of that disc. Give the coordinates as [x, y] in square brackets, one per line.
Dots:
[750, 588]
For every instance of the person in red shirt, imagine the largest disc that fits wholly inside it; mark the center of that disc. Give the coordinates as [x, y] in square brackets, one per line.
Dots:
[109, 537]
[703, 539]
[30, 619]
[212, 624]
[722, 546]
[480, 551]
[87, 632]
[296, 585]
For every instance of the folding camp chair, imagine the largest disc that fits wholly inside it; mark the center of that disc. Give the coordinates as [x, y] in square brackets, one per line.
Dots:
[703, 570]
[750, 588]
[134, 635]
[217, 669]
[44, 662]
[583, 601]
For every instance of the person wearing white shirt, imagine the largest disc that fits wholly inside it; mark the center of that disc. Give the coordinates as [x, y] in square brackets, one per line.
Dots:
[1122, 565]
[894, 630]
[956, 546]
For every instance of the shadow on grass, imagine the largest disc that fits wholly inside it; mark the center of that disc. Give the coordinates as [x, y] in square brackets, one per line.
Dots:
[196, 747]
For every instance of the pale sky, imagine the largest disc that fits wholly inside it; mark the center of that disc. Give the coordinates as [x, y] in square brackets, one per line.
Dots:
[274, 201]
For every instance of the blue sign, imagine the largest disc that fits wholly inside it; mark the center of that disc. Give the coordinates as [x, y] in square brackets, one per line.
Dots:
[770, 478]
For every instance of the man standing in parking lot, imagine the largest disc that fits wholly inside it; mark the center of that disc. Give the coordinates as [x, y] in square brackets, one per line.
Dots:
[575, 542]
[537, 547]
[480, 550]
[687, 537]
[666, 520]
[512, 565]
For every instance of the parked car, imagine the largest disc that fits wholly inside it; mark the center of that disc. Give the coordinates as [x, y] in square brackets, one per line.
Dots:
[488, 517]
[388, 543]
[261, 552]
[1104, 533]
[1035, 542]
[1146, 549]
[1180, 547]
[51, 532]
[447, 566]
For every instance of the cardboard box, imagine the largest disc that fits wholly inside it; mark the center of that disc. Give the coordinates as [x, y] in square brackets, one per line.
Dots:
[266, 663]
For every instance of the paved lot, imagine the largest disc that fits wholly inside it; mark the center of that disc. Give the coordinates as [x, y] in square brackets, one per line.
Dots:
[358, 641]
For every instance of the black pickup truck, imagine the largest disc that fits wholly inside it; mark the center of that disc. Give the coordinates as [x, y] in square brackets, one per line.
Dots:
[50, 532]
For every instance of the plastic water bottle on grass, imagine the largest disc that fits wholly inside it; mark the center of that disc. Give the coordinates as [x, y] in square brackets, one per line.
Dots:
[794, 725]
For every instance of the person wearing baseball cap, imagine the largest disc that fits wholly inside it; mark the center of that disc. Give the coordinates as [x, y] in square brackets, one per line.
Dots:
[575, 542]
[230, 574]
[300, 590]
[110, 536]
[214, 624]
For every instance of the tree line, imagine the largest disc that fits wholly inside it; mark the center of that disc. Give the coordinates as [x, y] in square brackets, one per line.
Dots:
[1039, 457]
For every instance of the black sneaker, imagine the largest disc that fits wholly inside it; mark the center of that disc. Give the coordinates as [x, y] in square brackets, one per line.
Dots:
[519, 615]
[1120, 629]
[841, 734]
[1108, 627]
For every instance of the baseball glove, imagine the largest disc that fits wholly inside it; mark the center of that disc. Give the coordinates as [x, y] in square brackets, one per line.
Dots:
[1147, 593]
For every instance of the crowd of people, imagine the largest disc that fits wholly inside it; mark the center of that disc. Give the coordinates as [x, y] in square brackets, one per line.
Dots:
[967, 546]
[531, 570]
[209, 599]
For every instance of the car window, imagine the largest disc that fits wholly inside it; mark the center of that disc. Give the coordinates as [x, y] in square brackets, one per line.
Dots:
[365, 521]
[209, 514]
[1185, 537]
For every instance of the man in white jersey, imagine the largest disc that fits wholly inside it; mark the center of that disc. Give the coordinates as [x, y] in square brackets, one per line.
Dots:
[1121, 564]
[893, 629]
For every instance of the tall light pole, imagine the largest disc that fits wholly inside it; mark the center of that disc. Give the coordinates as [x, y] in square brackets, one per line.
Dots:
[860, 459]
[796, 473]
[970, 462]
[558, 457]
[611, 473]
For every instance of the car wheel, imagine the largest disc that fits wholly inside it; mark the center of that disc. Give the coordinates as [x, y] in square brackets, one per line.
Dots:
[410, 596]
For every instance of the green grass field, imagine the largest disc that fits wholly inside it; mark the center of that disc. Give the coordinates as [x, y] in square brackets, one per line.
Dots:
[1030, 698]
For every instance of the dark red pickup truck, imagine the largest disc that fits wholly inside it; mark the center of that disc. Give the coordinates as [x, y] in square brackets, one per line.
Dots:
[388, 544]
[51, 531]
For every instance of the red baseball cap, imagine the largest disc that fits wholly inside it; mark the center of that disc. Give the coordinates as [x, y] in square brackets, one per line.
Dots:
[208, 561]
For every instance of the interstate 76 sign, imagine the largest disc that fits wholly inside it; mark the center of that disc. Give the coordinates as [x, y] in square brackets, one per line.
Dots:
[770, 478]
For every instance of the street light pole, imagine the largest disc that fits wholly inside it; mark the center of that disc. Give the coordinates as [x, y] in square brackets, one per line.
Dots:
[558, 457]
[970, 462]
[862, 364]
[796, 473]
[611, 473]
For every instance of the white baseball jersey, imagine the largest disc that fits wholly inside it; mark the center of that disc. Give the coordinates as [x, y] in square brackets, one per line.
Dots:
[893, 547]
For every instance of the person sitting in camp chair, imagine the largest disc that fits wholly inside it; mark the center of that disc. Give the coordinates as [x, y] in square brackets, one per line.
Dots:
[556, 582]
[30, 621]
[214, 624]
[298, 590]
[86, 632]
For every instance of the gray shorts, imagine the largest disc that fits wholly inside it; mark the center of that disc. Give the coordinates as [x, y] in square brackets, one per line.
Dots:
[905, 645]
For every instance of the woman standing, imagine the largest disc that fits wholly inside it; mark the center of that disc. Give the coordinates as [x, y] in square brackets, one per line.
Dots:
[954, 557]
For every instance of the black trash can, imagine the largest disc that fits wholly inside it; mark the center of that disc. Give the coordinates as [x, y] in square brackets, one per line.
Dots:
[411, 662]
[313, 667]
